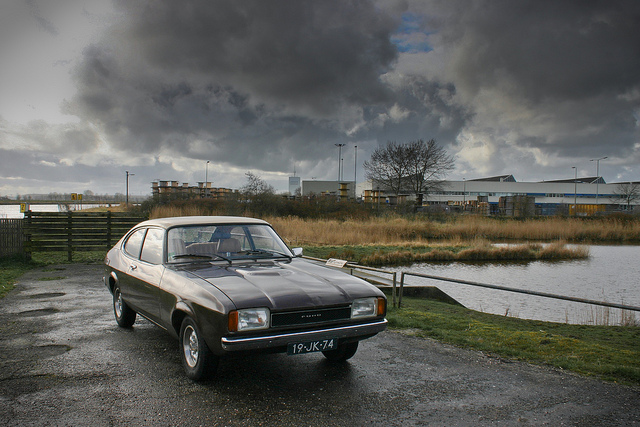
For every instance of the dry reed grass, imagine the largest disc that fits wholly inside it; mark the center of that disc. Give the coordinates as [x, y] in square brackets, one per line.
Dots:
[471, 231]
[396, 230]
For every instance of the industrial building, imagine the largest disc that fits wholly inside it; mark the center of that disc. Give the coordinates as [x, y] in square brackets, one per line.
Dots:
[503, 195]
[571, 196]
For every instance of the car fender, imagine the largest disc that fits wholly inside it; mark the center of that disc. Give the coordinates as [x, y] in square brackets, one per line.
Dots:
[179, 312]
[111, 281]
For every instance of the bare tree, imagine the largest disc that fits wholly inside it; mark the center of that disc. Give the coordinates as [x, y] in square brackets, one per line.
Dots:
[388, 166]
[256, 186]
[415, 166]
[429, 163]
[628, 191]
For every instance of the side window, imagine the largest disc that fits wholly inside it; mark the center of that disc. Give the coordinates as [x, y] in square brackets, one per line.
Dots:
[152, 248]
[134, 243]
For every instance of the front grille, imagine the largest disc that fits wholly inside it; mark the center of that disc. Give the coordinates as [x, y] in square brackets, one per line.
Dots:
[305, 317]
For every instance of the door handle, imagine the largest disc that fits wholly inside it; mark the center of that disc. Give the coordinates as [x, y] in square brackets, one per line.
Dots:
[133, 267]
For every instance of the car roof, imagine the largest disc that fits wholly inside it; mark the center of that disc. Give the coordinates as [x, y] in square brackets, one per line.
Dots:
[200, 220]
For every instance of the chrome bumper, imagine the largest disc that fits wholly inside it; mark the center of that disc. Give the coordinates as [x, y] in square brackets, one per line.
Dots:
[364, 330]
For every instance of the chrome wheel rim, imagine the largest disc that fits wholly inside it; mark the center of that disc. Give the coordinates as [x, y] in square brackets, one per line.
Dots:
[190, 346]
[117, 305]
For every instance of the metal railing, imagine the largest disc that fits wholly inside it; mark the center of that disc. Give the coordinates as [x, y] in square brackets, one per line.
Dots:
[520, 291]
[400, 290]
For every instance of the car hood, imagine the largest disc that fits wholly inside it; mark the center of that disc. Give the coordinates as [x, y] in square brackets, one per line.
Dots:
[282, 286]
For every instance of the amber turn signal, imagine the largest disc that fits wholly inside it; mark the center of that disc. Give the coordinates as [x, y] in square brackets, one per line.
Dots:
[233, 321]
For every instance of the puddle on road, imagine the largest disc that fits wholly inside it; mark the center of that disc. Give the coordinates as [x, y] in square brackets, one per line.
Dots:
[39, 312]
[51, 350]
[48, 295]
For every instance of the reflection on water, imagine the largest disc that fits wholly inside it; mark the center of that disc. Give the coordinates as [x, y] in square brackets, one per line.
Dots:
[610, 274]
[13, 211]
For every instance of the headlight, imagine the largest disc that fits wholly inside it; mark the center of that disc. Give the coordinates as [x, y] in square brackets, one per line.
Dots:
[248, 319]
[368, 307]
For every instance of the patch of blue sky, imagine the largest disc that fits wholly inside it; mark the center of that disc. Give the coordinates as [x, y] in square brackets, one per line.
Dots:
[410, 36]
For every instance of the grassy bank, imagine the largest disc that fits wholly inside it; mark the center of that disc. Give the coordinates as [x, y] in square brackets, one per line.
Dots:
[607, 352]
[476, 251]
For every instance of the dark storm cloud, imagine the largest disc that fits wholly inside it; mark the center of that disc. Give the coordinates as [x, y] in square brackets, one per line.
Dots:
[551, 49]
[262, 85]
[571, 69]
[308, 52]
[256, 83]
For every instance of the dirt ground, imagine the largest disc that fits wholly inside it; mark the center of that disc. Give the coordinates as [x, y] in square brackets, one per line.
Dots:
[64, 361]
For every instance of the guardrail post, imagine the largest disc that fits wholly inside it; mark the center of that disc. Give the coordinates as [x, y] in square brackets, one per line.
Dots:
[401, 289]
[393, 292]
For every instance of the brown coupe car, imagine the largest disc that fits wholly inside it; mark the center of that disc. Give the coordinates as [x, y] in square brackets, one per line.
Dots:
[230, 284]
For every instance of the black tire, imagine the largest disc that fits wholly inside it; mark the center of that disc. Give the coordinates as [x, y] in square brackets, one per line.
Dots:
[124, 315]
[343, 352]
[197, 359]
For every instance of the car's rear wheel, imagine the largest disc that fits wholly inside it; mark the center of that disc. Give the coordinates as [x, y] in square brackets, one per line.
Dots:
[344, 352]
[124, 315]
[198, 361]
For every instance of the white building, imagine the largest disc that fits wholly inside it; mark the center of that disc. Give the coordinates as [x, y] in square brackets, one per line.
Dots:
[589, 194]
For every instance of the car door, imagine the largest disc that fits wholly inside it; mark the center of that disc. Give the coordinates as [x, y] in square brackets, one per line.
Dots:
[145, 271]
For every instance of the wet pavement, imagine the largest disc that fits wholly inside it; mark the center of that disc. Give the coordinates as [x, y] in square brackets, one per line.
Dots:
[64, 361]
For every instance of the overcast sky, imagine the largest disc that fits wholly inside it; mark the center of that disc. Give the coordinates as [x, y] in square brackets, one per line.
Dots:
[90, 89]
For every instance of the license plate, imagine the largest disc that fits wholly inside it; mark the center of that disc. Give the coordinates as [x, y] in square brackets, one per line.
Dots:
[311, 346]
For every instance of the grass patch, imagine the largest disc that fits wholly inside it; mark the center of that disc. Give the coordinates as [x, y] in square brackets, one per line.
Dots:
[395, 255]
[608, 352]
[11, 268]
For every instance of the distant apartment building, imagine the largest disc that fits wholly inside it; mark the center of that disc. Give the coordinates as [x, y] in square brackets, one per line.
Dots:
[174, 189]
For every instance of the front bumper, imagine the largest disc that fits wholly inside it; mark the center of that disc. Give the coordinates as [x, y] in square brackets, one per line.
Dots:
[361, 331]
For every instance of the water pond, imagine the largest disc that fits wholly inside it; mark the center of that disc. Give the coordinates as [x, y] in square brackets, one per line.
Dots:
[611, 274]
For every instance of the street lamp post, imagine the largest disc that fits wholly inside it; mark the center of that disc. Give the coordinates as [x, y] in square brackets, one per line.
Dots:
[206, 177]
[127, 187]
[598, 175]
[464, 192]
[339, 145]
[355, 167]
[575, 190]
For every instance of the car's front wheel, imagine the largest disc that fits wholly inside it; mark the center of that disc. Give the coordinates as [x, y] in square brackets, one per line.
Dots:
[198, 361]
[344, 352]
[124, 315]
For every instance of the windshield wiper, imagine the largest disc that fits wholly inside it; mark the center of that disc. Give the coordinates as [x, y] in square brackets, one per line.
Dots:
[202, 256]
[266, 252]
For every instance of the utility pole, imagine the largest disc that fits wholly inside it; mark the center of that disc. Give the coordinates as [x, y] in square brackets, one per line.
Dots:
[339, 145]
[206, 177]
[355, 168]
[127, 188]
[575, 191]
[598, 175]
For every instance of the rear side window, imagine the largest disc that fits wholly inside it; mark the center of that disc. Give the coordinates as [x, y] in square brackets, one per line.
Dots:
[134, 243]
[152, 248]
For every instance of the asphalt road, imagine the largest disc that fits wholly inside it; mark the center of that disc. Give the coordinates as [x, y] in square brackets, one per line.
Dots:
[65, 362]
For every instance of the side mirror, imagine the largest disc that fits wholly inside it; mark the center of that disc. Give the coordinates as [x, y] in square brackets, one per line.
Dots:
[297, 252]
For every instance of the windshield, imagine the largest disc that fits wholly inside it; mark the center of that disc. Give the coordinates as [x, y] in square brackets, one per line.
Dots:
[226, 242]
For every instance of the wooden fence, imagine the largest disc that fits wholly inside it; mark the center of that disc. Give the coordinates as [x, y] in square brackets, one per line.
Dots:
[11, 237]
[74, 231]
